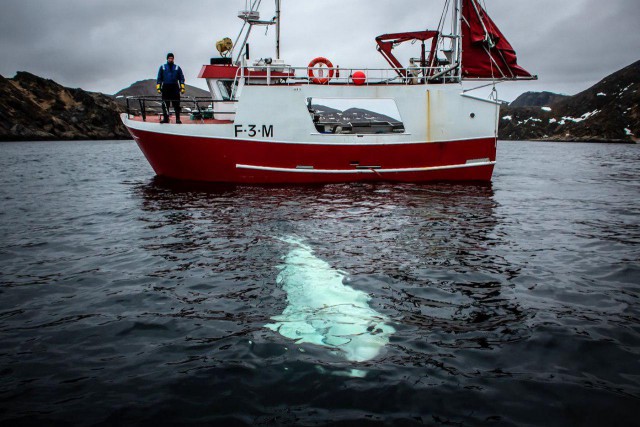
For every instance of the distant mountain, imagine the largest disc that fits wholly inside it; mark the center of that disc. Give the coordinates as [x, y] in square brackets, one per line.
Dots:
[537, 99]
[33, 108]
[607, 111]
[148, 88]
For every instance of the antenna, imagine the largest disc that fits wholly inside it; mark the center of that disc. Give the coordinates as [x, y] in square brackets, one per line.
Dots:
[251, 17]
[277, 29]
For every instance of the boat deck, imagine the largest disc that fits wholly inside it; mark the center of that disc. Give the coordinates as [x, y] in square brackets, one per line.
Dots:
[186, 119]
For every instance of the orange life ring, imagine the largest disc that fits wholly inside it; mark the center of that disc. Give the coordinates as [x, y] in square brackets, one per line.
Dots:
[320, 80]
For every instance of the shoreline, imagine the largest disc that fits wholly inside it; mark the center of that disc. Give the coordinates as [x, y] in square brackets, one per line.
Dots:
[576, 141]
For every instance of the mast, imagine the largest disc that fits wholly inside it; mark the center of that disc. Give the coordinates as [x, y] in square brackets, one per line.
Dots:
[247, 16]
[251, 17]
[457, 34]
[277, 29]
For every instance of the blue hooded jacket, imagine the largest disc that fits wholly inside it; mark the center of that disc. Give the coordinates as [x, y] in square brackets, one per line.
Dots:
[170, 74]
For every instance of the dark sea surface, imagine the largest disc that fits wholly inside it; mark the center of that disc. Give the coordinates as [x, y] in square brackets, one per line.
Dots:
[125, 300]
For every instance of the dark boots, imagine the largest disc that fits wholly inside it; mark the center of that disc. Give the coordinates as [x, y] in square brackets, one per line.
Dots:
[165, 111]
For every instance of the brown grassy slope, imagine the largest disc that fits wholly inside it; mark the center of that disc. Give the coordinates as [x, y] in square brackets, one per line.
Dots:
[33, 108]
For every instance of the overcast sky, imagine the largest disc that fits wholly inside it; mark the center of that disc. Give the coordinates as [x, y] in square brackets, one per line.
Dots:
[105, 45]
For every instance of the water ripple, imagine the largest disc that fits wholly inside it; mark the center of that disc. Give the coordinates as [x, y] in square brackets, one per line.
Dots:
[132, 300]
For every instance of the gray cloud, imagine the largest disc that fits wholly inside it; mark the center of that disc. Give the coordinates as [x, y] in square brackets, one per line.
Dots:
[105, 45]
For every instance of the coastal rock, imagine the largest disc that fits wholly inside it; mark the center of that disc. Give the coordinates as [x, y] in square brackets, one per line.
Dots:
[608, 111]
[34, 108]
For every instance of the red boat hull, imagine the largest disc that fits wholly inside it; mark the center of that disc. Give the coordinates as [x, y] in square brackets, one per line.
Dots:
[246, 161]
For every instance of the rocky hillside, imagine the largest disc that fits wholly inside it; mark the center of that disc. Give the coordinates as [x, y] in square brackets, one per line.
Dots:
[148, 88]
[608, 111]
[537, 99]
[33, 108]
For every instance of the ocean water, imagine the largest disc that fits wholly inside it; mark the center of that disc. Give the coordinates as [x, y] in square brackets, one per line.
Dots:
[126, 300]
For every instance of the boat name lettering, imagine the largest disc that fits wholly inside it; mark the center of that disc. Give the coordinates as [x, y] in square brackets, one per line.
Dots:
[254, 130]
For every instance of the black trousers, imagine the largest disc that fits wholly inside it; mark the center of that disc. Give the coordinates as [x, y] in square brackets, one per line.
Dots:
[170, 95]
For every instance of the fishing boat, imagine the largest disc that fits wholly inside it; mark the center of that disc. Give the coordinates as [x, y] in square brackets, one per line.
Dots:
[268, 122]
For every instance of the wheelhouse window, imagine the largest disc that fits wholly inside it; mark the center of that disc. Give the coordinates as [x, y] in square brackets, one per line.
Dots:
[355, 115]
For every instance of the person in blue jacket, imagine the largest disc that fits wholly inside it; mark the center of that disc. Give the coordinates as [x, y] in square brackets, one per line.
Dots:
[170, 84]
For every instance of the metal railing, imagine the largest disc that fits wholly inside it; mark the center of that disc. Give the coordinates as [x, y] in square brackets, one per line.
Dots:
[200, 108]
[278, 75]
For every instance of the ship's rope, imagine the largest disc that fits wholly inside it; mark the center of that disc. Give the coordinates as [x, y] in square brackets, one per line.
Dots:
[440, 28]
[442, 17]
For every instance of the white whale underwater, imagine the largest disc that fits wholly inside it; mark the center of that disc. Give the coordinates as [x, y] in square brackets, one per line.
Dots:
[322, 310]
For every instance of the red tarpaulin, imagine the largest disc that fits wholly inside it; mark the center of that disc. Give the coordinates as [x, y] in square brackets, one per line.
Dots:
[387, 42]
[486, 53]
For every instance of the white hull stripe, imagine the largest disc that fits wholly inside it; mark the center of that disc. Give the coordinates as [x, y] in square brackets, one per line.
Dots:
[354, 140]
[371, 170]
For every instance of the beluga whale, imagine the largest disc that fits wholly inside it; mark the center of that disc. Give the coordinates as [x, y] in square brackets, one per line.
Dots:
[323, 311]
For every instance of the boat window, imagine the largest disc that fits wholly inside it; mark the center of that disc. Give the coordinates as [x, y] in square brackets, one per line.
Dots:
[355, 115]
[225, 88]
